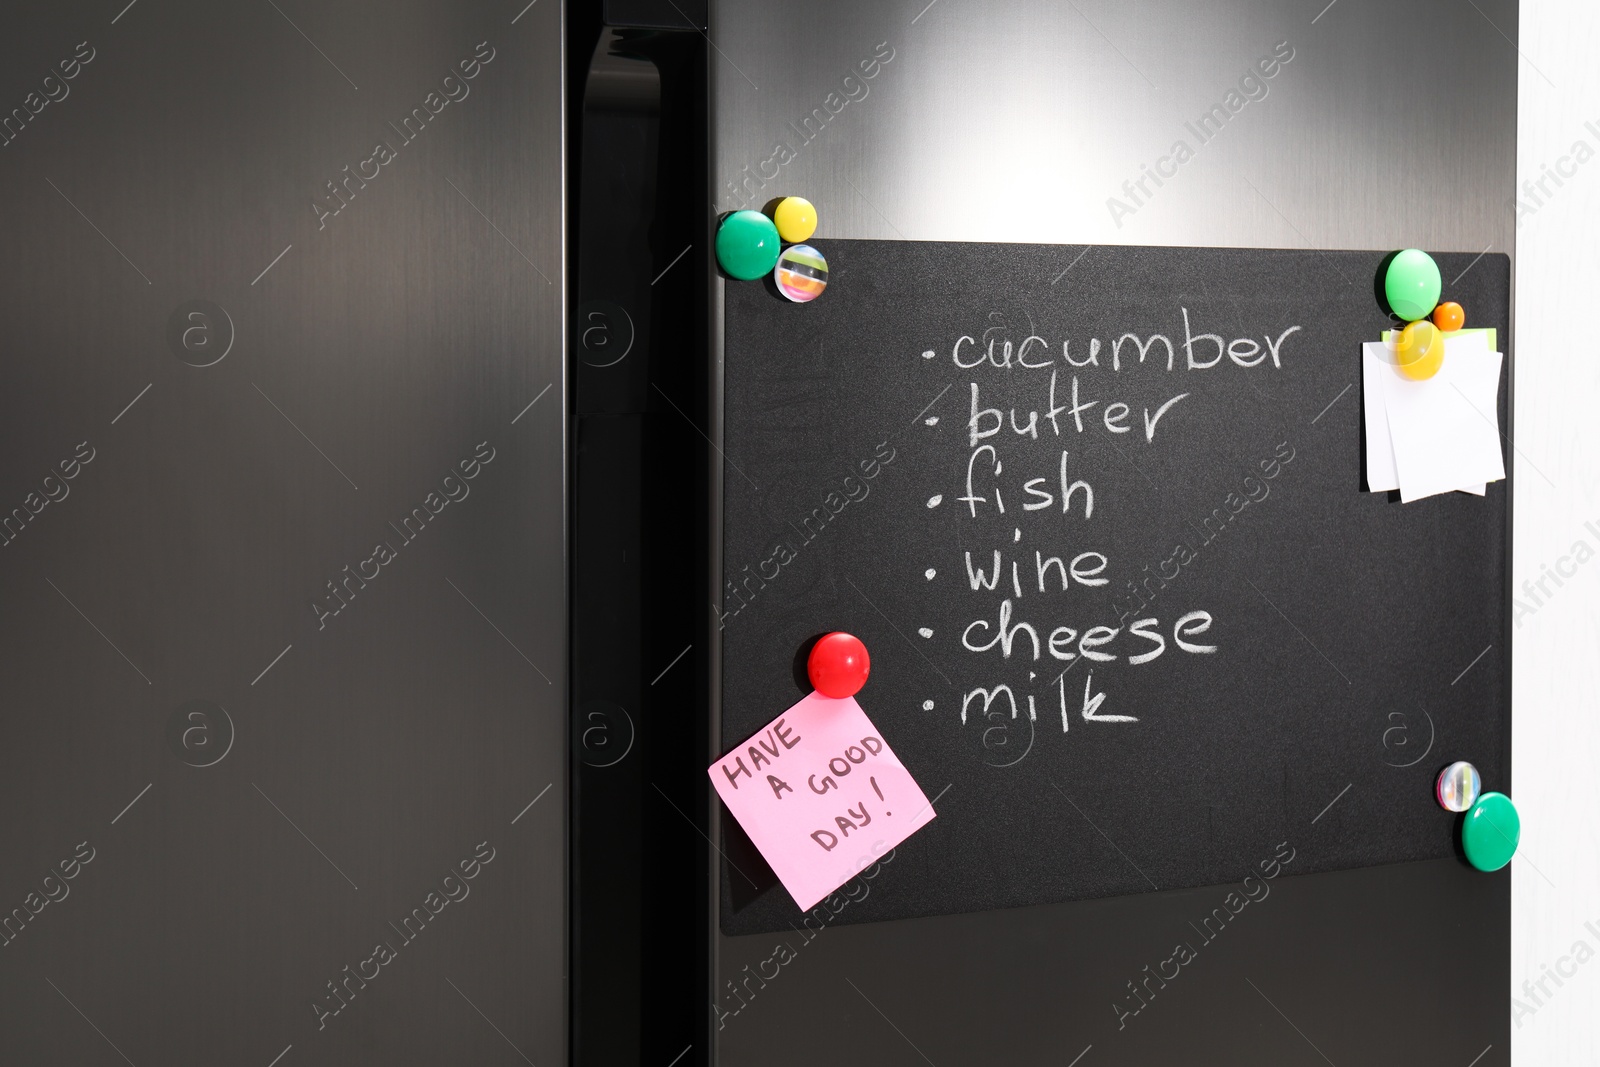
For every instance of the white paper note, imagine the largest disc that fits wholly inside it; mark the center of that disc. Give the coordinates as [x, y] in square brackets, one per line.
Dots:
[1376, 359]
[1443, 430]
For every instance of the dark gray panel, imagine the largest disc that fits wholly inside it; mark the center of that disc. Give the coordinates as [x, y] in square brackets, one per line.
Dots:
[355, 359]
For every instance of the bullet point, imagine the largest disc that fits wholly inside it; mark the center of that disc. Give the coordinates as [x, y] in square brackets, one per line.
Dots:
[927, 705]
[933, 420]
[925, 632]
[928, 354]
[935, 500]
[929, 573]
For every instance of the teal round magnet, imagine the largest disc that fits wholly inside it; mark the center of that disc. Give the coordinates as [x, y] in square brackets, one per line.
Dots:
[747, 245]
[1412, 284]
[1491, 832]
[1458, 786]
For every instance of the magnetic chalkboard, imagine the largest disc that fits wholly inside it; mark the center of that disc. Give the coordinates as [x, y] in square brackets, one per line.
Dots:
[1120, 490]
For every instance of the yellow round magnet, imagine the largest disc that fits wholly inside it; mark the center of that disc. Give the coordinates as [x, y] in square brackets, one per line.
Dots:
[796, 218]
[1419, 350]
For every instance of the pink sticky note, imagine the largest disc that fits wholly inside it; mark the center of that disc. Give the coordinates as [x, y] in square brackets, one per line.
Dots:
[821, 794]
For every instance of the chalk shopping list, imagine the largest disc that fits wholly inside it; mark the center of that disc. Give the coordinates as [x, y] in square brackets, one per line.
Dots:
[821, 795]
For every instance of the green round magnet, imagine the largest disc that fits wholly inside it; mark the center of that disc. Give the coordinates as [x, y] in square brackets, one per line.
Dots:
[1491, 831]
[1412, 284]
[748, 245]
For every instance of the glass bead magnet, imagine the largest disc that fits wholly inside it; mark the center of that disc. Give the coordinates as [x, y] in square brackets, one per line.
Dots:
[1491, 831]
[796, 218]
[801, 273]
[747, 245]
[1458, 786]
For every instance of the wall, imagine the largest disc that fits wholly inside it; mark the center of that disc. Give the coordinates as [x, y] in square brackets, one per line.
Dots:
[1556, 668]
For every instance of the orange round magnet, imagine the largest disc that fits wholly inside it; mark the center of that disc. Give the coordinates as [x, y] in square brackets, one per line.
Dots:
[1449, 317]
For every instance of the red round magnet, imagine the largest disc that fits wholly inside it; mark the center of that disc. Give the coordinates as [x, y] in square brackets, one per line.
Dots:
[838, 665]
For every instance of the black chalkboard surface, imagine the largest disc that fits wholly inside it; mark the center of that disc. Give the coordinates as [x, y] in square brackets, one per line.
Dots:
[1119, 490]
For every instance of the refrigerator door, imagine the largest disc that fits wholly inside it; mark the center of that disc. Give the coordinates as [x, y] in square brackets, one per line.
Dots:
[283, 399]
[1037, 121]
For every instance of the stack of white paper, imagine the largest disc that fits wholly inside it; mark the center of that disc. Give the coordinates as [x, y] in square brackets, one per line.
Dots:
[1437, 435]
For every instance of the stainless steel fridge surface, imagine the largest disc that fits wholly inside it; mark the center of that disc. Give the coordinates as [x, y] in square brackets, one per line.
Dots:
[282, 570]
